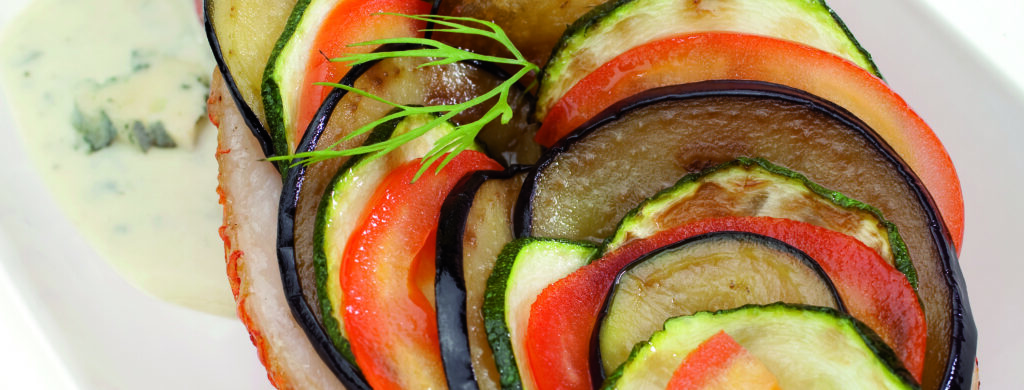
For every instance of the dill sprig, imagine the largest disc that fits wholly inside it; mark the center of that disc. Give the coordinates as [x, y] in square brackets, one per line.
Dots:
[464, 135]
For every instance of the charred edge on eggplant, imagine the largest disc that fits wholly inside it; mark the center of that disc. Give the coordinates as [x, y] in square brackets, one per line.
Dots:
[250, 118]
[963, 332]
[597, 373]
[449, 281]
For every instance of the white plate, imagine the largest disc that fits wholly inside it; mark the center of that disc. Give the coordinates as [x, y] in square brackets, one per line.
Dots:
[78, 324]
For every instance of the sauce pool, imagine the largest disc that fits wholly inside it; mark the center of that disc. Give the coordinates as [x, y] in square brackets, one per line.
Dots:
[153, 215]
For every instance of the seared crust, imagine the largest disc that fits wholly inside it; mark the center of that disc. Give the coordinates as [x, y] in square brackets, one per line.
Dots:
[249, 190]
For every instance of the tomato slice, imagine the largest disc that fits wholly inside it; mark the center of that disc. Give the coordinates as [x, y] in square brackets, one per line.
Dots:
[564, 315]
[721, 363]
[389, 310]
[720, 55]
[351, 21]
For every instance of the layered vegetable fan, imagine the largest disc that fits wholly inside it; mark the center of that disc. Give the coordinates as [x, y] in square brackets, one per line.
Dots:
[577, 194]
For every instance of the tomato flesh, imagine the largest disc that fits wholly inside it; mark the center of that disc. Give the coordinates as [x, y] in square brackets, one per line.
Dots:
[720, 55]
[389, 315]
[721, 363]
[564, 315]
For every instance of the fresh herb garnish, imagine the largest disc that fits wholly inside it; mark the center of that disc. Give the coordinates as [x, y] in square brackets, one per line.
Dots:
[463, 136]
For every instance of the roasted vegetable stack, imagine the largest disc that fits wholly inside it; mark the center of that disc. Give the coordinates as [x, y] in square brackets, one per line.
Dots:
[541, 195]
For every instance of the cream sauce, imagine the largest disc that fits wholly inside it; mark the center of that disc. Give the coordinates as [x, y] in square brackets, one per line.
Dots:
[153, 215]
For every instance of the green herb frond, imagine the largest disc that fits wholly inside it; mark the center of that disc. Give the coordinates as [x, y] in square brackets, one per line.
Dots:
[440, 53]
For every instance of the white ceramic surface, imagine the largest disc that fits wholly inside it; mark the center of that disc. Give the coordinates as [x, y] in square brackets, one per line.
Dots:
[68, 321]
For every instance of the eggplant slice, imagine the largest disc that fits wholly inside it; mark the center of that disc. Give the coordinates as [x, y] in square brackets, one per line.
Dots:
[242, 41]
[475, 224]
[398, 80]
[716, 121]
[709, 272]
[533, 26]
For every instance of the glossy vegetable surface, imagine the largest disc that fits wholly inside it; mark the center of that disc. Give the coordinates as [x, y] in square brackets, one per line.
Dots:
[344, 206]
[955, 329]
[524, 268]
[388, 276]
[399, 80]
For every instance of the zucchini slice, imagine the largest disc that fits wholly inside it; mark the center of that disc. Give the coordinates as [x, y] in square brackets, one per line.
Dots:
[242, 35]
[343, 207]
[525, 266]
[711, 272]
[316, 31]
[475, 224]
[755, 187]
[584, 185]
[619, 25]
[805, 347]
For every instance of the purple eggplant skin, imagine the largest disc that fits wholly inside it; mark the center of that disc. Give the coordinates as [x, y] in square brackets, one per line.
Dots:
[963, 341]
[597, 373]
[449, 281]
